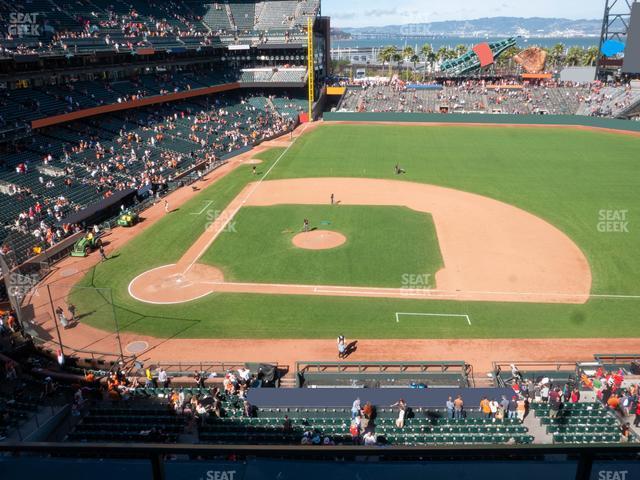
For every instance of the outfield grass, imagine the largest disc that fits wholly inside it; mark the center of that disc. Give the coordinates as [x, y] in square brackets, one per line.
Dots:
[564, 176]
[259, 249]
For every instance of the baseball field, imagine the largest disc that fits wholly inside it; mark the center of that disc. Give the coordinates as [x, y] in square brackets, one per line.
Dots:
[487, 232]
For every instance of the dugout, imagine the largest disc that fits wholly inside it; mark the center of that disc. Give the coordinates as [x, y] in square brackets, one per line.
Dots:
[100, 211]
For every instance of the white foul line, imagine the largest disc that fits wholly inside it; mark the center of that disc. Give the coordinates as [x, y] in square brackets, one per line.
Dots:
[234, 213]
[456, 315]
[208, 204]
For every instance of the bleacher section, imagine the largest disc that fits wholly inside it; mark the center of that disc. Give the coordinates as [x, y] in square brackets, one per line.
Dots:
[424, 428]
[111, 131]
[288, 107]
[145, 422]
[27, 104]
[255, 414]
[14, 412]
[580, 423]
[216, 18]
[467, 97]
[610, 101]
[119, 26]
[274, 75]
[243, 13]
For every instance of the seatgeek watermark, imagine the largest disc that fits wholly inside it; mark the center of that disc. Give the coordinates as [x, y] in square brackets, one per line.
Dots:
[415, 283]
[413, 30]
[218, 218]
[24, 25]
[613, 475]
[21, 285]
[220, 475]
[613, 221]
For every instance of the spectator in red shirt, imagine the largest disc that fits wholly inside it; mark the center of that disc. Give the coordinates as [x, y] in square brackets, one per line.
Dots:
[575, 396]
[555, 402]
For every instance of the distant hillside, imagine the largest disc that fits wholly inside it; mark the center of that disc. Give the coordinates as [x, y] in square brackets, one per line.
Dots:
[493, 27]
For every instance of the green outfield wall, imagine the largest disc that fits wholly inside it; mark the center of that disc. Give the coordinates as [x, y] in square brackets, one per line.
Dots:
[480, 118]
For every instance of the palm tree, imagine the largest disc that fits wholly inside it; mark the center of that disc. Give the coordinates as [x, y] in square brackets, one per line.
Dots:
[506, 57]
[590, 56]
[408, 53]
[460, 50]
[556, 53]
[387, 54]
[574, 56]
[451, 54]
[442, 54]
[414, 59]
[397, 57]
[429, 57]
[432, 58]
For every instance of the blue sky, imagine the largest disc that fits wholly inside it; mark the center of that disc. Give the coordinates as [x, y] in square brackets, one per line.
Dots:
[360, 13]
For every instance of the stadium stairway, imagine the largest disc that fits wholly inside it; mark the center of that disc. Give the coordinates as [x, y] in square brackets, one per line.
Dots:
[539, 432]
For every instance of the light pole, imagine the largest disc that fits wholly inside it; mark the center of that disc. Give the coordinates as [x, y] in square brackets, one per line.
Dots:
[115, 320]
[55, 320]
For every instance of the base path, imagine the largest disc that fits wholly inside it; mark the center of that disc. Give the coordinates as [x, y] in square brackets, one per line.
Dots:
[492, 251]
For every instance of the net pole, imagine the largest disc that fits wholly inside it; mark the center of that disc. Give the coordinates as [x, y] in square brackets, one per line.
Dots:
[55, 320]
[15, 300]
[115, 321]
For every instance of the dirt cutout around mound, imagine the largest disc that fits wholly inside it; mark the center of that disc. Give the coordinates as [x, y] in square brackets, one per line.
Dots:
[492, 251]
[319, 240]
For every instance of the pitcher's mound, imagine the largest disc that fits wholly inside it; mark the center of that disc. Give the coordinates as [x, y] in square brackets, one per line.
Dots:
[319, 240]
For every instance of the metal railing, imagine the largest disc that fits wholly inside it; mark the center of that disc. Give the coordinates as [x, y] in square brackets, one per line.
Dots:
[384, 367]
[615, 358]
[421, 369]
[524, 367]
[208, 367]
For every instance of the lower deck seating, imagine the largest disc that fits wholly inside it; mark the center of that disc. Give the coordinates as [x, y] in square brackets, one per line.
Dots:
[154, 424]
[423, 428]
[580, 423]
[91, 177]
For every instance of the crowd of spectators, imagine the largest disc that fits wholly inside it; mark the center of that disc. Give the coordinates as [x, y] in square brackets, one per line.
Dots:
[618, 396]
[18, 107]
[149, 150]
[119, 26]
[610, 388]
[8, 323]
[609, 100]
[504, 96]
[198, 403]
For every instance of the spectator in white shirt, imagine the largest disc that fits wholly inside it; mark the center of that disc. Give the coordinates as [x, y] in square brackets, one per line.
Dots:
[163, 378]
